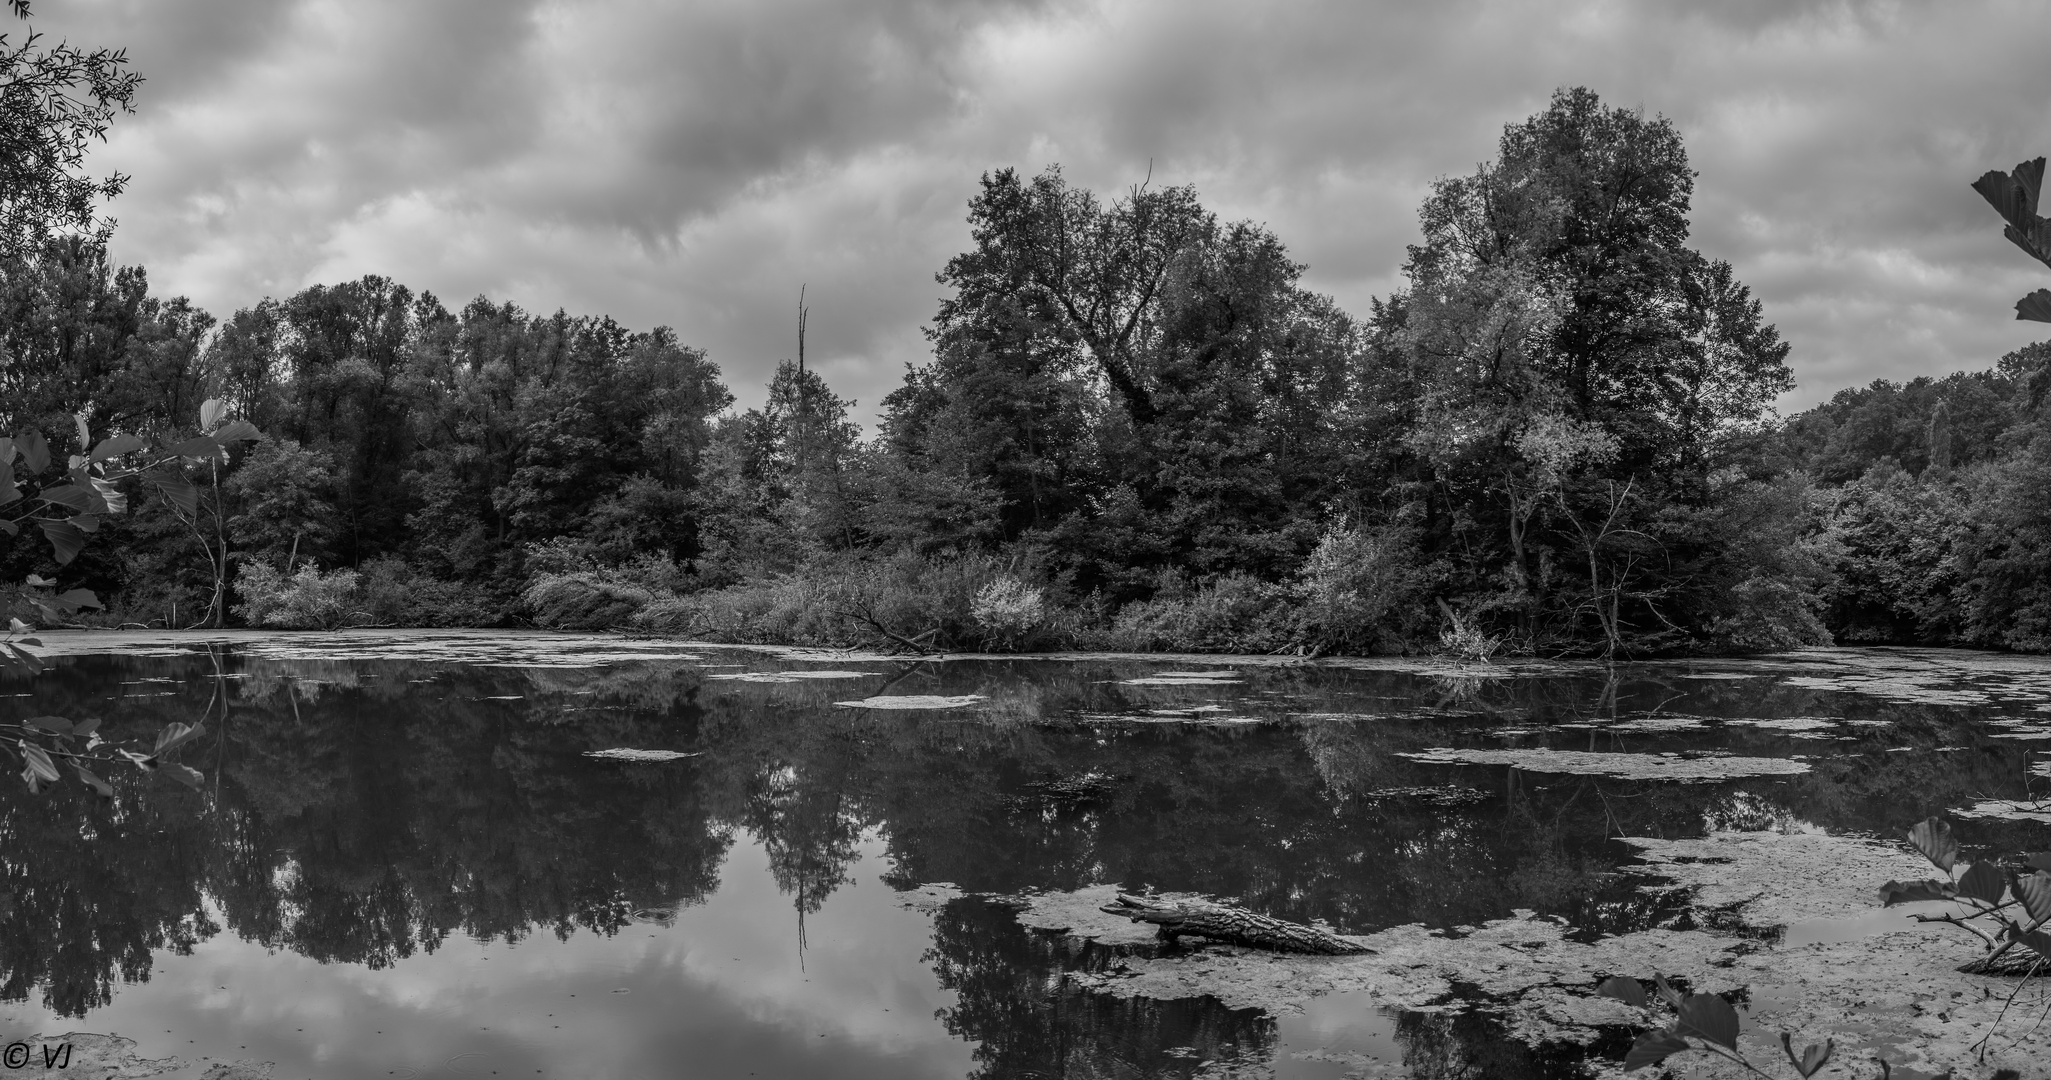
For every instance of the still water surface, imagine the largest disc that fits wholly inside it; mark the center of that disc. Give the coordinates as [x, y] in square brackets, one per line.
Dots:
[405, 864]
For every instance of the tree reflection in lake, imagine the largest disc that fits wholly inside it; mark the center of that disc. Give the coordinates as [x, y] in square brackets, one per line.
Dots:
[362, 812]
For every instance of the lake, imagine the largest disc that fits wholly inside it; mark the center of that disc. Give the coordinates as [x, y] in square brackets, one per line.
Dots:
[406, 861]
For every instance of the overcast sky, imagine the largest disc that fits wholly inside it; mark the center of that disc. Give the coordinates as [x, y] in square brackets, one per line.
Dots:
[691, 162]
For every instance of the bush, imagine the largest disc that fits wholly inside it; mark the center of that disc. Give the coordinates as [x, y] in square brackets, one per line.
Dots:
[1235, 613]
[1008, 611]
[308, 600]
[1355, 589]
[931, 600]
[391, 592]
[1770, 615]
[584, 600]
[784, 610]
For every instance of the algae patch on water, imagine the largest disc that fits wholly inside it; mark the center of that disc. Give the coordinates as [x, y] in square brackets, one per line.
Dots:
[1619, 765]
[914, 701]
[1896, 993]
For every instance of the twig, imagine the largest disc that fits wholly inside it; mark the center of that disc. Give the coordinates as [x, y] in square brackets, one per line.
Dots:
[1981, 1046]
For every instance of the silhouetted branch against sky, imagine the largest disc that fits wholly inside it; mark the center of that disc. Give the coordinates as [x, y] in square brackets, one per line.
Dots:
[689, 162]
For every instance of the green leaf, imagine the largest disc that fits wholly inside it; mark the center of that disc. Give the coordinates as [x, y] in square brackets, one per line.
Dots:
[35, 453]
[79, 598]
[111, 497]
[184, 774]
[2034, 890]
[237, 431]
[85, 434]
[1673, 997]
[141, 761]
[177, 489]
[105, 790]
[1628, 991]
[22, 656]
[1654, 1047]
[175, 735]
[1707, 1016]
[2035, 307]
[86, 726]
[2036, 941]
[1983, 881]
[6, 526]
[2003, 194]
[213, 409]
[1910, 892]
[66, 539]
[56, 725]
[69, 496]
[119, 445]
[1933, 838]
[1813, 1057]
[2039, 861]
[38, 761]
[199, 449]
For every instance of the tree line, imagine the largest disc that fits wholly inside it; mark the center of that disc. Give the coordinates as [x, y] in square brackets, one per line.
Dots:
[1137, 429]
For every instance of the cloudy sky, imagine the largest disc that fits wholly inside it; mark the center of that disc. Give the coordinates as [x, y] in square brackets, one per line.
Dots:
[691, 162]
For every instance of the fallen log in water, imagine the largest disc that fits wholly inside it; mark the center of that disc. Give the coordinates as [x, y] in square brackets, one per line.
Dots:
[1236, 925]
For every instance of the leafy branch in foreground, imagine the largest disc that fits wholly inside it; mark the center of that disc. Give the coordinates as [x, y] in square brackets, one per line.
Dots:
[68, 507]
[1703, 1022]
[2014, 197]
[47, 745]
[1989, 899]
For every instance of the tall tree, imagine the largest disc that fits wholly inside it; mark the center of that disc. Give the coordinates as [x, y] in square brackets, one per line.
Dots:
[55, 102]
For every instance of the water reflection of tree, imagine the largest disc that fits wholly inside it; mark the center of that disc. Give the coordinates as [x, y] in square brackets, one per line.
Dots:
[367, 817]
[809, 830]
[352, 825]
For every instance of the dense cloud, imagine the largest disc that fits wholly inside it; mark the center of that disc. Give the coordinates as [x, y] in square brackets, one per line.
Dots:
[693, 163]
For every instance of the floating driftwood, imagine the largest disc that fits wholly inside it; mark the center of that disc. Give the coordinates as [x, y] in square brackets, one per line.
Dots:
[1236, 925]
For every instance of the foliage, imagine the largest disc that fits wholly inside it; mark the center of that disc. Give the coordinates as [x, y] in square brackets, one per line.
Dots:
[1702, 1022]
[392, 592]
[2014, 197]
[1234, 613]
[583, 600]
[1008, 611]
[308, 600]
[47, 745]
[1560, 428]
[55, 102]
[2001, 907]
[1355, 588]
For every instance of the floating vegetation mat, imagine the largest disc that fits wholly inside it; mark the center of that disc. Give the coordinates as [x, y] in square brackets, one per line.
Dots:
[1621, 766]
[2009, 810]
[914, 701]
[1894, 993]
[1446, 795]
[1184, 678]
[1200, 715]
[787, 676]
[626, 754]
